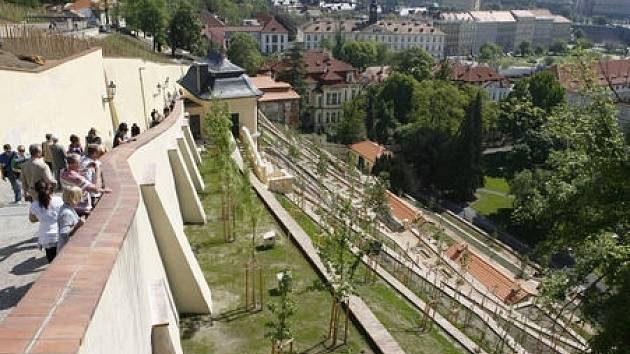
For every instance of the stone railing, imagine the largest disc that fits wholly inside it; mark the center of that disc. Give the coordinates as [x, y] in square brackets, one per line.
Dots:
[112, 289]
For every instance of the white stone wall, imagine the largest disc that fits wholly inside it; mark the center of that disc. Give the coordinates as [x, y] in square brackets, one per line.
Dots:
[68, 98]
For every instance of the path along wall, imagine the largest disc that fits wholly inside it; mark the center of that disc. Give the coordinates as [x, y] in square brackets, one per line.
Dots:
[66, 97]
[121, 282]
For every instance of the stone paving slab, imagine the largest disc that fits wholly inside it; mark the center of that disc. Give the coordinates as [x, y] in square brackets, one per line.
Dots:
[21, 261]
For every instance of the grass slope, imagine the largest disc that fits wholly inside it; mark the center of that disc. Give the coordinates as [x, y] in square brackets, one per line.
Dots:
[235, 330]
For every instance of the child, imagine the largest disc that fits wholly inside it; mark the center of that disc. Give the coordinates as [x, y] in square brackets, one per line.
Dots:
[68, 220]
[45, 210]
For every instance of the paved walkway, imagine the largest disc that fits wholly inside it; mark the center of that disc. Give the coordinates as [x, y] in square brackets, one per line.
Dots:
[21, 261]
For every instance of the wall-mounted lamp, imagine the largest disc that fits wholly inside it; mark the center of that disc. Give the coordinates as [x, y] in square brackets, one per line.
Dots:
[110, 89]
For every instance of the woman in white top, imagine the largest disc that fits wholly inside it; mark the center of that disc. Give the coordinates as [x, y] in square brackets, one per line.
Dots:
[45, 210]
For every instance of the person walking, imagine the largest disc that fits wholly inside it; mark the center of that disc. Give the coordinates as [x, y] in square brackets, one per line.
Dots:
[46, 150]
[68, 220]
[135, 130]
[45, 210]
[59, 159]
[33, 171]
[75, 145]
[6, 171]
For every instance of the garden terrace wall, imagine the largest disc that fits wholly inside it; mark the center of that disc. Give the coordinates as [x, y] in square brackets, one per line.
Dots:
[99, 295]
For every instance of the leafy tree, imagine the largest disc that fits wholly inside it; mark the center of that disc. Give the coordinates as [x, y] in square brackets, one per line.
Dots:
[416, 62]
[338, 47]
[470, 174]
[490, 53]
[525, 48]
[558, 47]
[583, 43]
[360, 53]
[444, 71]
[153, 20]
[399, 89]
[352, 127]
[579, 202]
[539, 50]
[546, 91]
[376, 195]
[184, 30]
[383, 54]
[243, 51]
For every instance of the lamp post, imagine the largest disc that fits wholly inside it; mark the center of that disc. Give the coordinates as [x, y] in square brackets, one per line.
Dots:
[144, 101]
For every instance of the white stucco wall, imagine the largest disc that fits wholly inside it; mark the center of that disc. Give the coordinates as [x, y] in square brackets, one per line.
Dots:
[63, 100]
[122, 320]
[68, 98]
[126, 73]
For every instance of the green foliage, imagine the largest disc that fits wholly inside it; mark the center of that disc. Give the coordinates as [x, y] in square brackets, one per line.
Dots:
[599, 20]
[360, 54]
[235, 11]
[546, 91]
[416, 62]
[469, 175]
[583, 43]
[352, 127]
[376, 194]
[399, 90]
[490, 53]
[184, 30]
[578, 200]
[295, 75]
[282, 310]
[525, 48]
[243, 51]
[558, 47]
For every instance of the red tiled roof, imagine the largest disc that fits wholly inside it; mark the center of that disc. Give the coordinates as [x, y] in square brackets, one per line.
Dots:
[320, 67]
[274, 90]
[617, 72]
[272, 25]
[80, 5]
[474, 74]
[402, 210]
[505, 288]
[210, 20]
[369, 150]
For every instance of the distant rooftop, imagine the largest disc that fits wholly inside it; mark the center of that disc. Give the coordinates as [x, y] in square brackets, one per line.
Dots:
[492, 16]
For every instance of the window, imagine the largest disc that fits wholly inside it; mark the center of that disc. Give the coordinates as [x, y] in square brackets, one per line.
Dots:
[308, 37]
[274, 38]
[327, 117]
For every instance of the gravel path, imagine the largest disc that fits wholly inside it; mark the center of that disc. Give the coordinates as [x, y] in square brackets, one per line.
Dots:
[21, 262]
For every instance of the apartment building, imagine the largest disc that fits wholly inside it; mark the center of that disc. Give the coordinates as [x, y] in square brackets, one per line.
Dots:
[459, 29]
[398, 35]
[461, 5]
[610, 8]
[494, 27]
[271, 35]
[483, 76]
[525, 26]
[330, 84]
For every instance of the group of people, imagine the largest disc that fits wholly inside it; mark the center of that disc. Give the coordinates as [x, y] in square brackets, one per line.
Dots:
[75, 171]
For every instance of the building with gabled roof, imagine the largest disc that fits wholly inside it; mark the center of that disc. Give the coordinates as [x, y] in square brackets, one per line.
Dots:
[279, 102]
[271, 35]
[484, 76]
[365, 153]
[330, 83]
[215, 79]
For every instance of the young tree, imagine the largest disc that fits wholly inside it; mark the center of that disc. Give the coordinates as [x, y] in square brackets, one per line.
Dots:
[243, 51]
[280, 326]
[416, 62]
[558, 47]
[295, 75]
[341, 219]
[352, 127]
[184, 30]
[376, 195]
[217, 129]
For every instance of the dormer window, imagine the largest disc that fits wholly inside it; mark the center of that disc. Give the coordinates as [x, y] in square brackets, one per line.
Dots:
[349, 76]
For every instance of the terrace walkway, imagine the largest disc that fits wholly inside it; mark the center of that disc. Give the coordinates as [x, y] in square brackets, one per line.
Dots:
[21, 262]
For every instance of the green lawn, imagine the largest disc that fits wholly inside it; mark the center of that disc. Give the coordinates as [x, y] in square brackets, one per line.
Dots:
[488, 203]
[235, 330]
[498, 184]
[397, 314]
